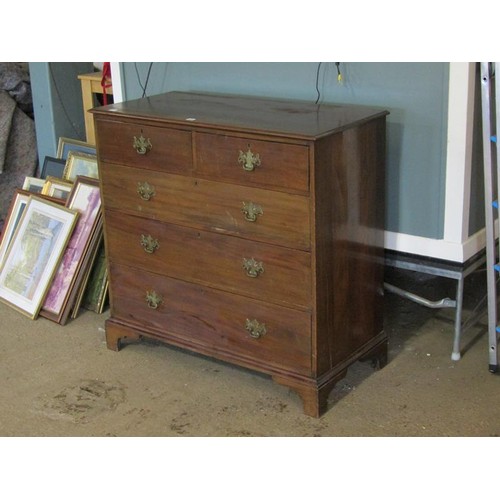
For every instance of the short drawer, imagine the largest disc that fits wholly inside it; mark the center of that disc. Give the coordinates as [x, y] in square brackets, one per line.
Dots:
[252, 162]
[253, 213]
[268, 335]
[268, 272]
[144, 146]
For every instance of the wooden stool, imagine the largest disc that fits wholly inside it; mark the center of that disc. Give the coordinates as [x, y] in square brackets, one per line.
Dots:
[91, 84]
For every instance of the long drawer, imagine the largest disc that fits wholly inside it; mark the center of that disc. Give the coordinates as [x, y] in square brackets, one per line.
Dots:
[253, 213]
[269, 335]
[165, 149]
[252, 162]
[267, 272]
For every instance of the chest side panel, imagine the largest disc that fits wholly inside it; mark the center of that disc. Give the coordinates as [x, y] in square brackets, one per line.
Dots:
[349, 241]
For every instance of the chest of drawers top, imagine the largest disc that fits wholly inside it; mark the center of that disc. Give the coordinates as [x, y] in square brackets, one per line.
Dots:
[274, 117]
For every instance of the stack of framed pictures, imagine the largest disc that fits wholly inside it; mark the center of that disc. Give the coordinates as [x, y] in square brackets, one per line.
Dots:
[78, 258]
[73, 158]
[52, 256]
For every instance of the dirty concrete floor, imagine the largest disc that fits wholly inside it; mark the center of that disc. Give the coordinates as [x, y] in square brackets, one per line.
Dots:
[63, 381]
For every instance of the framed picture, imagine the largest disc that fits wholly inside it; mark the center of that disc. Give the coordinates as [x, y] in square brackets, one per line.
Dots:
[83, 274]
[33, 184]
[80, 164]
[88, 274]
[57, 188]
[16, 209]
[52, 167]
[97, 287]
[65, 145]
[34, 254]
[85, 199]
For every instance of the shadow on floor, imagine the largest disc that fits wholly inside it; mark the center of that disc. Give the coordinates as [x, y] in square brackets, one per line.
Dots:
[403, 318]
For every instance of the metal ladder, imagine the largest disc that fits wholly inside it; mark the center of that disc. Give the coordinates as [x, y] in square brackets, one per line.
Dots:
[490, 105]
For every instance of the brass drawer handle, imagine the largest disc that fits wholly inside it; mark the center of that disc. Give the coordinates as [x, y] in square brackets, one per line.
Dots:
[251, 211]
[249, 160]
[153, 299]
[149, 243]
[142, 145]
[256, 329]
[145, 191]
[252, 267]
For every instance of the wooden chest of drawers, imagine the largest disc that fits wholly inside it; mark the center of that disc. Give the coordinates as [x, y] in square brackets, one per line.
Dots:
[249, 230]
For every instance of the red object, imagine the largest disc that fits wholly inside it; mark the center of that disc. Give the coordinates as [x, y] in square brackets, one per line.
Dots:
[106, 81]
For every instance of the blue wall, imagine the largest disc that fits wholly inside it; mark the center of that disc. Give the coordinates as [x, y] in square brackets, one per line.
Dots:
[416, 94]
[57, 103]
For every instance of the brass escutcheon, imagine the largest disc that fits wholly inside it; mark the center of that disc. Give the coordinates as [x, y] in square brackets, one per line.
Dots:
[255, 328]
[251, 211]
[142, 145]
[253, 267]
[149, 243]
[249, 160]
[153, 299]
[145, 191]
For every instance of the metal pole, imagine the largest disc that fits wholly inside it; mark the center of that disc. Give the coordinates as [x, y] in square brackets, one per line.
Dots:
[495, 67]
[489, 212]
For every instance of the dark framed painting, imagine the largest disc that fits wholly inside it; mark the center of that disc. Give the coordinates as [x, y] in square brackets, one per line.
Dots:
[52, 167]
[97, 286]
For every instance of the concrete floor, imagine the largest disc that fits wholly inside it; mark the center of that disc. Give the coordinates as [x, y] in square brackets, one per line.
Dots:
[63, 381]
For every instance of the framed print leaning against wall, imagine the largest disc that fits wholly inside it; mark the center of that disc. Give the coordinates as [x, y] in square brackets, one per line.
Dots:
[85, 198]
[17, 206]
[53, 167]
[66, 145]
[57, 188]
[33, 184]
[80, 164]
[34, 254]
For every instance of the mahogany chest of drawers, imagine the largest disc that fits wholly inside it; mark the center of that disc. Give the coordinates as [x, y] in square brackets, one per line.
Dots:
[247, 229]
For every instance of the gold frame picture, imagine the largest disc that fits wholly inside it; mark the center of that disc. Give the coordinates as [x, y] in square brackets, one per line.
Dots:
[80, 164]
[57, 188]
[66, 145]
[34, 254]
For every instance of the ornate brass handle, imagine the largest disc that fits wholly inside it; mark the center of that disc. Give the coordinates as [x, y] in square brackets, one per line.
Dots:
[256, 329]
[142, 145]
[145, 191]
[249, 160]
[253, 267]
[153, 299]
[149, 243]
[251, 211]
